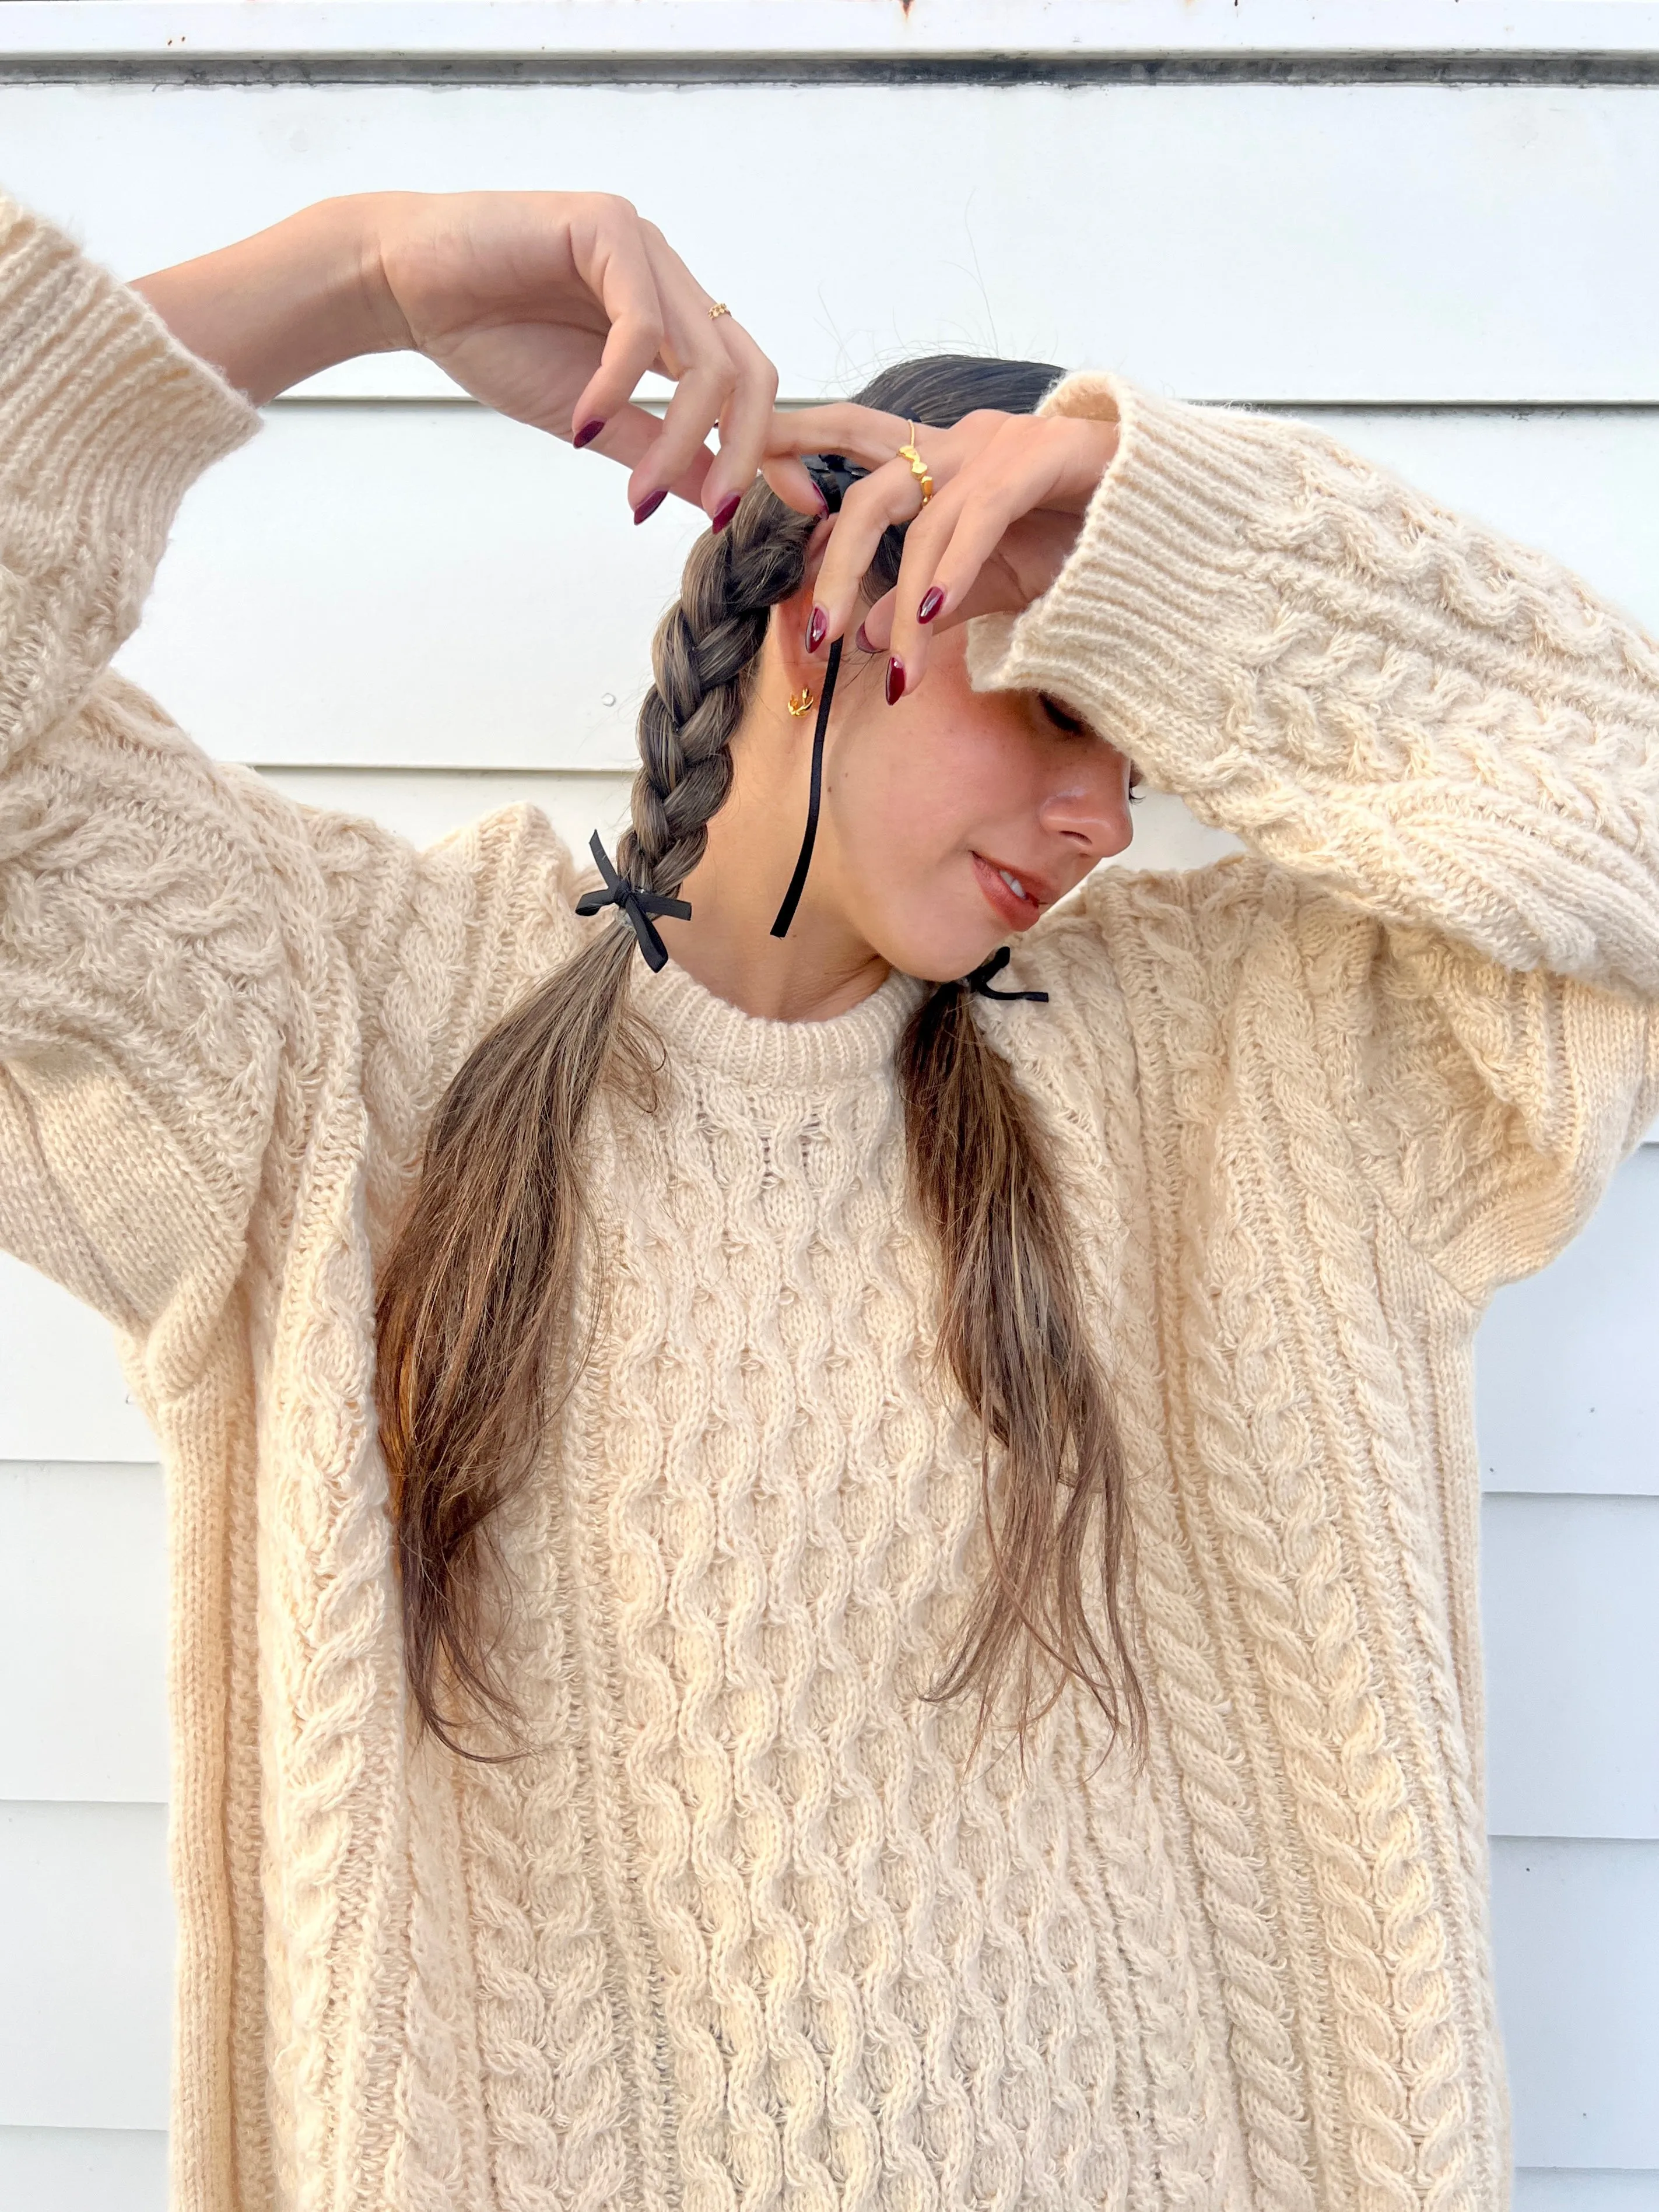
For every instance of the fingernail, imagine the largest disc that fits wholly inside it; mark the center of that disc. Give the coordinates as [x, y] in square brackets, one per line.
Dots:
[933, 599]
[588, 431]
[894, 679]
[647, 508]
[860, 638]
[816, 629]
[726, 510]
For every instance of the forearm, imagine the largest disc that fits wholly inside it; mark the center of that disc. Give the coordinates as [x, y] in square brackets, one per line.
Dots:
[1386, 700]
[289, 302]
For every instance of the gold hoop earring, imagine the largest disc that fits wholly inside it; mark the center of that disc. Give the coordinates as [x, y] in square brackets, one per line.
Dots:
[802, 701]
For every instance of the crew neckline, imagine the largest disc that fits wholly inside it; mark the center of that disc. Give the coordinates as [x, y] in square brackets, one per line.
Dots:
[701, 1029]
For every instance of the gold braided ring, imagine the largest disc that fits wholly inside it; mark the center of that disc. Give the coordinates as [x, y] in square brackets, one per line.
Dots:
[718, 309]
[917, 466]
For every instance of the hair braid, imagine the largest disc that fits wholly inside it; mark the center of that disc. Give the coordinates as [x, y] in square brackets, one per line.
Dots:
[703, 656]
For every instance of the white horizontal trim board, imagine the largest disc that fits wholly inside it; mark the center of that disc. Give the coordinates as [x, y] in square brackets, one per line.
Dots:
[83, 2169]
[1565, 1391]
[86, 1965]
[1365, 242]
[1571, 1635]
[434, 586]
[995, 29]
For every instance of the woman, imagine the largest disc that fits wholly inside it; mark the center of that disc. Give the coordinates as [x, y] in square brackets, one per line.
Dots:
[884, 1613]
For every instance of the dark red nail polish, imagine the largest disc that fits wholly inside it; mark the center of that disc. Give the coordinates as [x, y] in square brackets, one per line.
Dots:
[932, 600]
[726, 510]
[816, 629]
[894, 679]
[861, 639]
[647, 508]
[588, 431]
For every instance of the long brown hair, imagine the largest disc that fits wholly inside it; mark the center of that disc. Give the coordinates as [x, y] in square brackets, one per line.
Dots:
[476, 1333]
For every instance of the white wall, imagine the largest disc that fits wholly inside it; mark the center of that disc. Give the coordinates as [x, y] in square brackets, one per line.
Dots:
[396, 602]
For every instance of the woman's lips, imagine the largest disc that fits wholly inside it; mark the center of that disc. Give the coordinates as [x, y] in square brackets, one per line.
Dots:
[1018, 909]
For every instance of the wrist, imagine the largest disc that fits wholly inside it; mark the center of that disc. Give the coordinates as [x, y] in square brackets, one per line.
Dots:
[289, 302]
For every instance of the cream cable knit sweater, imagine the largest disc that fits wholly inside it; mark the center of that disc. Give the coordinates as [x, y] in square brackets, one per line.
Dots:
[748, 1930]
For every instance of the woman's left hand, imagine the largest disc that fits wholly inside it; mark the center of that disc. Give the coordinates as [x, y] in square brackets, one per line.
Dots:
[1009, 495]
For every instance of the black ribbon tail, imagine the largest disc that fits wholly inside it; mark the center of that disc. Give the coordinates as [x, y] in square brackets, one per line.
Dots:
[815, 794]
[979, 982]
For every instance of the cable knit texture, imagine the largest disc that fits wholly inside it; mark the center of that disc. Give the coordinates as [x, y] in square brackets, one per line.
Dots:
[748, 1927]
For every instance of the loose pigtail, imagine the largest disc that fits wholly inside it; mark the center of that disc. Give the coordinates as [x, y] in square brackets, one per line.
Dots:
[1012, 1331]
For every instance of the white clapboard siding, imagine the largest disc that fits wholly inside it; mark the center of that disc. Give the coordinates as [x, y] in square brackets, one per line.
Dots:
[86, 1961]
[83, 1632]
[1330, 241]
[1567, 1363]
[1564, 2189]
[1576, 1929]
[1568, 1588]
[433, 586]
[83, 2169]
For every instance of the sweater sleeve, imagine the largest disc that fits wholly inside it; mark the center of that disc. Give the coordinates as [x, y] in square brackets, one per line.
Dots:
[146, 951]
[1447, 746]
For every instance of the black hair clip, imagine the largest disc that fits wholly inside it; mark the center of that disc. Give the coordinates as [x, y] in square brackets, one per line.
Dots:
[637, 905]
[834, 475]
[979, 982]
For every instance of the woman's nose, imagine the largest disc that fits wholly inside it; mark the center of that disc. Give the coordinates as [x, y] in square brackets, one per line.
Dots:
[1091, 811]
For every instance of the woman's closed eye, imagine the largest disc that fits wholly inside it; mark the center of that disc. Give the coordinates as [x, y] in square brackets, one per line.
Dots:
[1062, 718]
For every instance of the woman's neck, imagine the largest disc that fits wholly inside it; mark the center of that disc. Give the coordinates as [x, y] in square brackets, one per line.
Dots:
[823, 967]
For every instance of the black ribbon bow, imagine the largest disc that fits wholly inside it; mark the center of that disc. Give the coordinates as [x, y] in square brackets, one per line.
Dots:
[637, 903]
[979, 982]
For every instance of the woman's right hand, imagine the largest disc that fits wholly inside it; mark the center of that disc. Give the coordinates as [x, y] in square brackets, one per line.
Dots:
[550, 307]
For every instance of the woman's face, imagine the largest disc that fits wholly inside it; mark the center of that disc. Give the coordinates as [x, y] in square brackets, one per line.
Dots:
[930, 806]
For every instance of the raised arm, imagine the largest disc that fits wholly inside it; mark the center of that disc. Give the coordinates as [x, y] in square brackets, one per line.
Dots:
[181, 949]
[1444, 746]
[1447, 743]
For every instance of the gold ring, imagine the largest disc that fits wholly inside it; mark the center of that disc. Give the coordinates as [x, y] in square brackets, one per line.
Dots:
[718, 309]
[917, 466]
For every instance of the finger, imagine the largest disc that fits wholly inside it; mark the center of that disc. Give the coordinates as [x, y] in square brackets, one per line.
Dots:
[884, 497]
[614, 266]
[794, 486]
[629, 435]
[863, 434]
[746, 421]
[696, 355]
[875, 631]
[944, 553]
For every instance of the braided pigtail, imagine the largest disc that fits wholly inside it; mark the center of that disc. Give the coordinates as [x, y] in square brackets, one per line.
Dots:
[474, 1317]
[703, 658]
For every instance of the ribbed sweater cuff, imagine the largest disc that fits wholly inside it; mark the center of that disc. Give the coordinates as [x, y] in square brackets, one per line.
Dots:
[1163, 593]
[100, 408]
